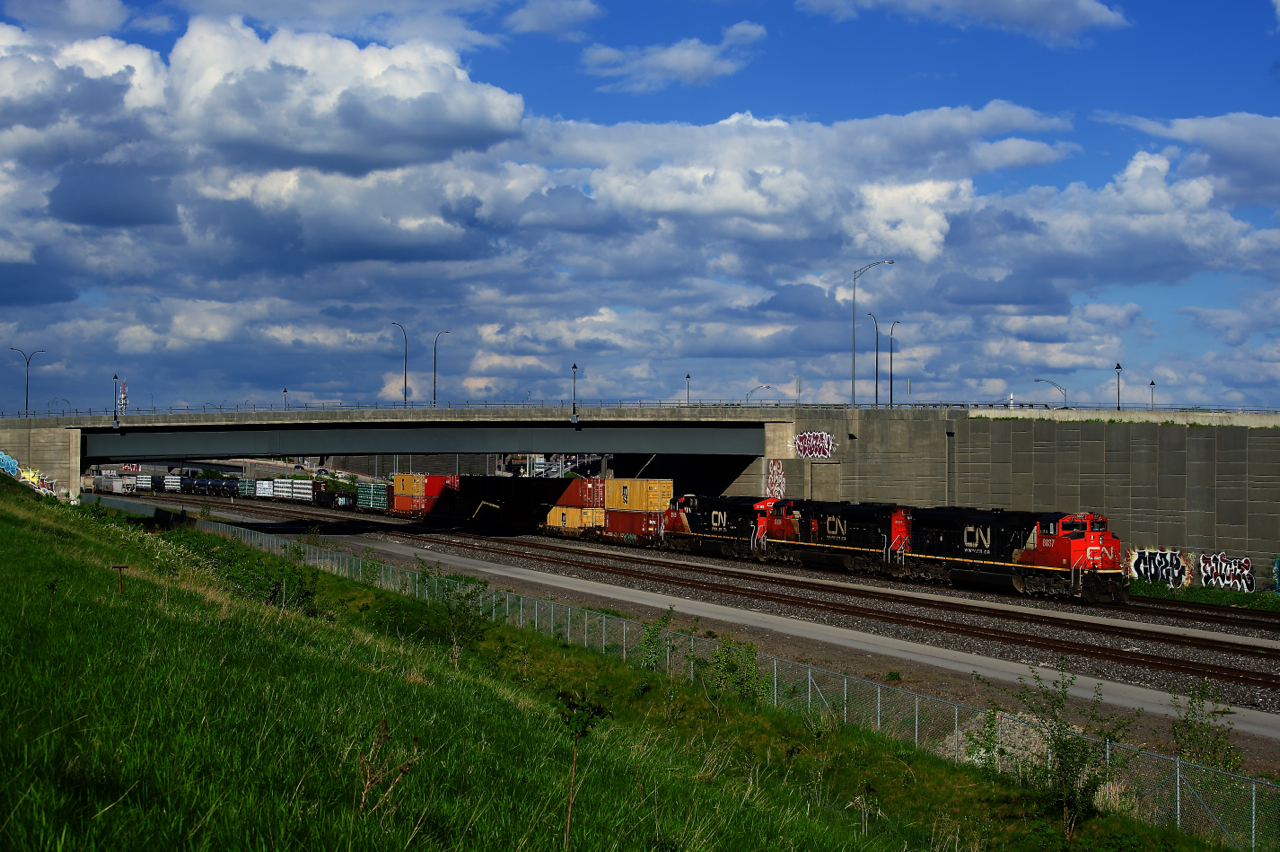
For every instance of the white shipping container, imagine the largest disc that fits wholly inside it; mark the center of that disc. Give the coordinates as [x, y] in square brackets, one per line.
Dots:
[303, 490]
[262, 488]
[142, 483]
[173, 483]
[282, 489]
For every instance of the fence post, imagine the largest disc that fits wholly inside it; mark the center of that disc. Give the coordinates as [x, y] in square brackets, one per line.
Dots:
[877, 706]
[846, 699]
[1177, 786]
[775, 681]
[568, 624]
[624, 640]
[956, 707]
[809, 677]
[1000, 742]
[535, 615]
[668, 638]
[917, 721]
[1253, 818]
[604, 631]
[522, 610]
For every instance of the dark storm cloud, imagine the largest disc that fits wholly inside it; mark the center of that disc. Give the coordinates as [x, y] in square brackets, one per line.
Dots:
[956, 288]
[32, 284]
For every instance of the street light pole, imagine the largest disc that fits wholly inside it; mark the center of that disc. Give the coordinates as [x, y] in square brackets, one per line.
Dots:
[853, 378]
[895, 322]
[115, 399]
[435, 348]
[575, 389]
[1117, 386]
[754, 389]
[26, 405]
[877, 323]
[286, 397]
[1153, 394]
[406, 362]
[686, 388]
[1059, 387]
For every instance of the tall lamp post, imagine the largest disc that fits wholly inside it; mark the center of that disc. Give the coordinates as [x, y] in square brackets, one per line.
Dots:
[26, 405]
[1153, 394]
[575, 389]
[435, 348]
[877, 324]
[1117, 386]
[895, 322]
[756, 388]
[406, 362]
[853, 378]
[286, 397]
[115, 399]
[1059, 387]
[686, 388]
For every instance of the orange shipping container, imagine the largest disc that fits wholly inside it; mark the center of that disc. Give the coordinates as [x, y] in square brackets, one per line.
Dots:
[637, 495]
[586, 493]
[408, 484]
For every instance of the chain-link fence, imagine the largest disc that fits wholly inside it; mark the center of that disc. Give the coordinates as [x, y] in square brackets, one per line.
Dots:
[1221, 807]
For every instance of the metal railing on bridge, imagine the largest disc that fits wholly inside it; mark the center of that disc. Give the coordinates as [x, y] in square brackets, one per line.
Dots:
[624, 404]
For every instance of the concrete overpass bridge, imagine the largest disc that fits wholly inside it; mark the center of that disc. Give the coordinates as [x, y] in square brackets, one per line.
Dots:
[1208, 482]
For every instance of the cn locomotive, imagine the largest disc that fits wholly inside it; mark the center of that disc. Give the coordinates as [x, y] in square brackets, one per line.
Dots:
[1052, 554]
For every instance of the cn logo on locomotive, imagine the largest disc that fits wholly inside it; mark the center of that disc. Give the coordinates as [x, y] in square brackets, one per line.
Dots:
[836, 526]
[719, 520]
[977, 538]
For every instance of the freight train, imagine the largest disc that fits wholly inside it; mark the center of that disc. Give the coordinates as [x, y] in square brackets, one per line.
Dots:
[1054, 554]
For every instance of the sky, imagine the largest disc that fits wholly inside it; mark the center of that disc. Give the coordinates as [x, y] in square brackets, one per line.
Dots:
[219, 201]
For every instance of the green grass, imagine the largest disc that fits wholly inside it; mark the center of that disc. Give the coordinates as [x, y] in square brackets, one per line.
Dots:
[231, 699]
[1262, 599]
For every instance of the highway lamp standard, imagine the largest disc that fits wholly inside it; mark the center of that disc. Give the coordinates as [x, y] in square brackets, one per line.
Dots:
[435, 350]
[26, 404]
[1059, 387]
[1153, 394]
[686, 388]
[756, 388]
[877, 324]
[575, 390]
[115, 399]
[895, 322]
[286, 397]
[1117, 387]
[853, 378]
[406, 362]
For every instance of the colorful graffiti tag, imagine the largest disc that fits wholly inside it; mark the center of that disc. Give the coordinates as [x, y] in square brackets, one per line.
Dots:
[775, 483]
[814, 445]
[1219, 571]
[1170, 567]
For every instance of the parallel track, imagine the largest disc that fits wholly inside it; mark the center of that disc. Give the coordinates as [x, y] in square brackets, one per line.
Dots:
[1261, 680]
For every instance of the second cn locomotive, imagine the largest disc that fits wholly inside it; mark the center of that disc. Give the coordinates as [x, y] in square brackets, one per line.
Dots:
[1051, 554]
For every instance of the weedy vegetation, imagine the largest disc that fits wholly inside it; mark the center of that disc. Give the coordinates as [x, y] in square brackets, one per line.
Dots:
[234, 699]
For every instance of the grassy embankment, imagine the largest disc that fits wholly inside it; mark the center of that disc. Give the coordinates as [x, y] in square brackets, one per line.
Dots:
[230, 699]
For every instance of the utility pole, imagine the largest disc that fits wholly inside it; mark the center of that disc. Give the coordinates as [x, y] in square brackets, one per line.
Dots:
[26, 405]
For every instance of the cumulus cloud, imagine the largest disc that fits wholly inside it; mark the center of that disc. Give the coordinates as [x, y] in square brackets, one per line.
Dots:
[691, 61]
[561, 17]
[1057, 21]
[1235, 151]
[316, 100]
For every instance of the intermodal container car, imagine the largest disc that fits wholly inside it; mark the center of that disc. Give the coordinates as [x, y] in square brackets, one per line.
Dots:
[632, 527]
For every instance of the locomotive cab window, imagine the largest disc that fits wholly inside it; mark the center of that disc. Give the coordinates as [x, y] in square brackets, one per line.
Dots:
[1048, 528]
[1072, 526]
[1098, 526]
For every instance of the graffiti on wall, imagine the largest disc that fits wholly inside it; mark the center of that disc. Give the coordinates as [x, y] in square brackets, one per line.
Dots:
[814, 445]
[775, 483]
[1219, 571]
[1170, 567]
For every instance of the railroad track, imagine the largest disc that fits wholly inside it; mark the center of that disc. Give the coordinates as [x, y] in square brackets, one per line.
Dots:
[548, 554]
[1212, 613]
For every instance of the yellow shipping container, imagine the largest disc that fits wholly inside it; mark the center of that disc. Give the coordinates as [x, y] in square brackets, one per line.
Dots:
[572, 518]
[408, 484]
[637, 495]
